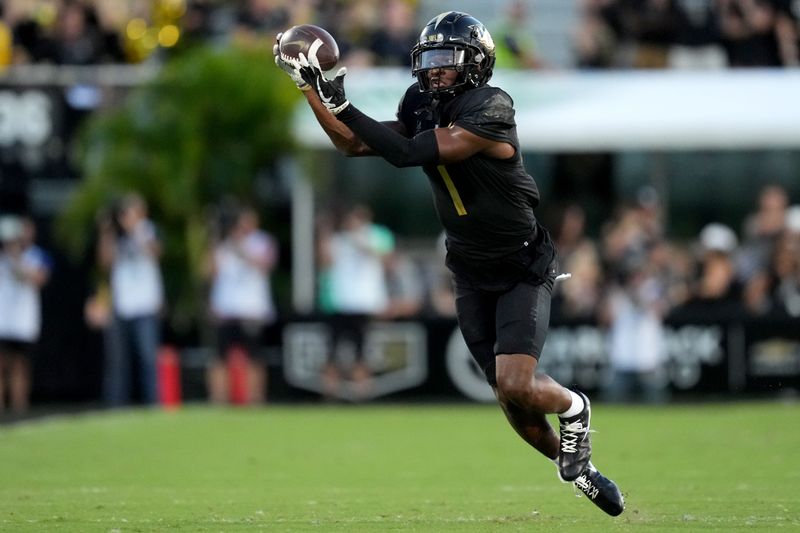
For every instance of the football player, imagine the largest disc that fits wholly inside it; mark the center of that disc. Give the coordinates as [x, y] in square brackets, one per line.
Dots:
[462, 132]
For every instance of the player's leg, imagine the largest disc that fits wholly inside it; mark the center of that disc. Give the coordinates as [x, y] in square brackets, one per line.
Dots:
[477, 318]
[533, 427]
[527, 396]
[476, 312]
[523, 318]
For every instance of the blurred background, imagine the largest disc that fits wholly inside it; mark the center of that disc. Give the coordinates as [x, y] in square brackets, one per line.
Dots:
[176, 228]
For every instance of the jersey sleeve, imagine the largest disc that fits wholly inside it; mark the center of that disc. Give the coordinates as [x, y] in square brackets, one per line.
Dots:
[488, 115]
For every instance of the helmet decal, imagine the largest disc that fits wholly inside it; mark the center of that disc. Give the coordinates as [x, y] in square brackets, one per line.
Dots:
[440, 18]
[433, 38]
[483, 37]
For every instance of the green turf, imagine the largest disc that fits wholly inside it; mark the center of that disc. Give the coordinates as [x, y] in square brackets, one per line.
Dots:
[412, 468]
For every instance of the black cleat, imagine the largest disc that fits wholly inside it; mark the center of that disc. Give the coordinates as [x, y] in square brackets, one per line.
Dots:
[575, 448]
[601, 491]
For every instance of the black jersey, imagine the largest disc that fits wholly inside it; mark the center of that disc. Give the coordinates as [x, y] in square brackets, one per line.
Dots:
[484, 204]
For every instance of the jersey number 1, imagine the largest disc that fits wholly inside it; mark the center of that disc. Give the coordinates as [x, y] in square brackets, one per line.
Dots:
[451, 188]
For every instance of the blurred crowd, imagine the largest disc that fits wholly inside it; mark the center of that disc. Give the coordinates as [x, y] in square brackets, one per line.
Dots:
[88, 32]
[748, 271]
[604, 34]
[129, 301]
[630, 278]
[687, 33]
[633, 278]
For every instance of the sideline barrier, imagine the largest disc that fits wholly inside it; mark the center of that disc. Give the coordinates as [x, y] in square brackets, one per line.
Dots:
[169, 377]
[238, 364]
[429, 357]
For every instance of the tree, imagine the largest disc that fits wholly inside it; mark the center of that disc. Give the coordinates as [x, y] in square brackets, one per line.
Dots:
[200, 131]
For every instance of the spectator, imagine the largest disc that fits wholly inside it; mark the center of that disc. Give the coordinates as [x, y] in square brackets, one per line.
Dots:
[261, 20]
[31, 44]
[241, 302]
[395, 36]
[354, 258]
[351, 23]
[578, 255]
[514, 46]
[197, 26]
[770, 217]
[761, 230]
[636, 304]
[749, 32]
[775, 291]
[24, 269]
[646, 28]
[77, 38]
[787, 30]
[634, 312]
[628, 236]
[788, 292]
[698, 40]
[594, 42]
[129, 251]
[716, 291]
[404, 286]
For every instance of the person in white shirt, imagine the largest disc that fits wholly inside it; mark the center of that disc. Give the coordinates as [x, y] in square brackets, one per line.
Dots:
[241, 303]
[353, 259]
[24, 269]
[129, 250]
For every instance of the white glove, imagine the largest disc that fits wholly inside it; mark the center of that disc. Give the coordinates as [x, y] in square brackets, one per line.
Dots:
[331, 92]
[288, 66]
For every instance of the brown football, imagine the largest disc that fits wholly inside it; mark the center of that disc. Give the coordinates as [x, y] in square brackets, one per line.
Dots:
[299, 39]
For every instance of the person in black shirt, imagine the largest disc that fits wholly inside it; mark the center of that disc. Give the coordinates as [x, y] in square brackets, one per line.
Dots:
[461, 131]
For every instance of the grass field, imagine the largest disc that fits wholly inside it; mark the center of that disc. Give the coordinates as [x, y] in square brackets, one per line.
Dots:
[720, 467]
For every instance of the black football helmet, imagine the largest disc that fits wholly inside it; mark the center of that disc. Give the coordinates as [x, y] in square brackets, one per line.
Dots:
[454, 40]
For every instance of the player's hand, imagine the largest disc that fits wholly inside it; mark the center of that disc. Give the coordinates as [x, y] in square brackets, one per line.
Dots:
[331, 92]
[289, 67]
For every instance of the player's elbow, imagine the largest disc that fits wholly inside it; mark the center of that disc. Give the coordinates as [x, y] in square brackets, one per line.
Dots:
[355, 149]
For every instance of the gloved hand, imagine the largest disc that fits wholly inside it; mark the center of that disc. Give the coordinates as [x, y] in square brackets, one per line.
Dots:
[291, 68]
[331, 92]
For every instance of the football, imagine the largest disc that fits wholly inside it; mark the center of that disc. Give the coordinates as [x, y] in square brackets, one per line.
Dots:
[299, 39]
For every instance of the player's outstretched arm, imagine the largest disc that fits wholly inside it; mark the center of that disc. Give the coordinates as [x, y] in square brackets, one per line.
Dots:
[342, 137]
[431, 147]
[441, 145]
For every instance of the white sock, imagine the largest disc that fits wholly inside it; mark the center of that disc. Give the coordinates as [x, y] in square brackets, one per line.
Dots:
[575, 408]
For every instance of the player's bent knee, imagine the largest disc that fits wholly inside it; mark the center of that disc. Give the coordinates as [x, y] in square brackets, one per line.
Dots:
[511, 387]
[516, 381]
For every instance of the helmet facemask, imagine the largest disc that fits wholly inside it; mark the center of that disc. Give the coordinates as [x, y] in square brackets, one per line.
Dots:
[465, 61]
